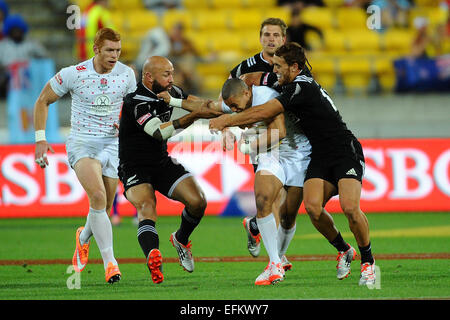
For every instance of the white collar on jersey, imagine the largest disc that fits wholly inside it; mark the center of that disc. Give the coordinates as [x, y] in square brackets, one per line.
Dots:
[262, 58]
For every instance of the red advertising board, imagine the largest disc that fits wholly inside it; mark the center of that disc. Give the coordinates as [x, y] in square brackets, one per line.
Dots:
[400, 175]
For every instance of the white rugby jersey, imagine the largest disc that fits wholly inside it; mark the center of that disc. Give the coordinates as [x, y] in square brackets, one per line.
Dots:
[295, 139]
[96, 98]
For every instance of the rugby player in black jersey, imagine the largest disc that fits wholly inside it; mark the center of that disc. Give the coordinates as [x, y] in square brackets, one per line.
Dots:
[272, 35]
[337, 159]
[145, 165]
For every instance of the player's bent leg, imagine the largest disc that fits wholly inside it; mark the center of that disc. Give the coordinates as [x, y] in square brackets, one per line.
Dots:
[349, 196]
[142, 197]
[191, 195]
[315, 192]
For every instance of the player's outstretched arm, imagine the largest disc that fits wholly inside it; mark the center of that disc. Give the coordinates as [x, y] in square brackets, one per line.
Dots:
[263, 112]
[164, 130]
[190, 104]
[40, 113]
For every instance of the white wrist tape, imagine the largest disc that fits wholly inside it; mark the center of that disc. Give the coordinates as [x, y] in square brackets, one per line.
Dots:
[175, 102]
[167, 132]
[39, 135]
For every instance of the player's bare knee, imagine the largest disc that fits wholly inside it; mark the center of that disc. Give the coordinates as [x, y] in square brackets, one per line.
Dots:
[97, 198]
[262, 202]
[314, 210]
[351, 210]
[197, 205]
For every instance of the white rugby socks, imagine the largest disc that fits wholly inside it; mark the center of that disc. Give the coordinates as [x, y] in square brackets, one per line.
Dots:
[86, 234]
[268, 228]
[101, 228]
[284, 238]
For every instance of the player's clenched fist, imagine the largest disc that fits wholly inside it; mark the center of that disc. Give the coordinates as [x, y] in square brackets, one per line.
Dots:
[219, 123]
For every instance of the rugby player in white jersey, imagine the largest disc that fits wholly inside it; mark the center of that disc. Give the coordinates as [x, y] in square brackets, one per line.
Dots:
[282, 156]
[97, 87]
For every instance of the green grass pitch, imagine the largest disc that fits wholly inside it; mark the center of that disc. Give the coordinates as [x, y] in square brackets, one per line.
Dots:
[411, 250]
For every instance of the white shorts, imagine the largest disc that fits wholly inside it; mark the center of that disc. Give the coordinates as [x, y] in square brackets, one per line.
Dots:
[288, 167]
[105, 150]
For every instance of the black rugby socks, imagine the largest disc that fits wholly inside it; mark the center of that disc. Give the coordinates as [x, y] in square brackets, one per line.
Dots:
[366, 254]
[188, 224]
[147, 236]
[339, 243]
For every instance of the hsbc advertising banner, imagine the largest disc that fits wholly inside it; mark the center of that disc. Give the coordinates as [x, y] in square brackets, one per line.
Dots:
[400, 175]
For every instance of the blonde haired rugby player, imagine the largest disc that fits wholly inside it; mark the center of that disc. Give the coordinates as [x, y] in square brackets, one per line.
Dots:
[97, 87]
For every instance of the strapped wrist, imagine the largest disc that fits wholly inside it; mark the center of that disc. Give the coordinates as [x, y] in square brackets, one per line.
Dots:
[39, 135]
[175, 102]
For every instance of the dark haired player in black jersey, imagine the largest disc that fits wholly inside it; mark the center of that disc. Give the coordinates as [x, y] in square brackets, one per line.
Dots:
[145, 165]
[337, 160]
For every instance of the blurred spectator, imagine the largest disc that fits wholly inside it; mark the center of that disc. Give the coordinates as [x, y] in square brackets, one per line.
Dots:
[184, 57]
[422, 39]
[155, 43]
[180, 44]
[15, 48]
[428, 41]
[297, 30]
[394, 13]
[4, 10]
[364, 4]
[162, 4]
[300, 4]
[95, 17]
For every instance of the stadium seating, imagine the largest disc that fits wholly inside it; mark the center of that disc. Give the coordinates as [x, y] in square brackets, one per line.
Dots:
[227, 31]
[321, 18]
[174, 16]
[324, 71]
[351, 18]
[355, 73]
[126, 5]
[385, 73]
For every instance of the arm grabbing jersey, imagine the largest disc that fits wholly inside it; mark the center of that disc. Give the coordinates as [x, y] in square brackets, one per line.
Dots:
[141, 109]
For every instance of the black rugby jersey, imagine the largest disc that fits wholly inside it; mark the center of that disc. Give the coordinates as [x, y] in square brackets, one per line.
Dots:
[316, 114]
[136, 147]
[252, 64]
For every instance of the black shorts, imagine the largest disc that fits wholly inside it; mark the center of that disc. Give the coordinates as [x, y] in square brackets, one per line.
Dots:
[349, 164]
[163, 178]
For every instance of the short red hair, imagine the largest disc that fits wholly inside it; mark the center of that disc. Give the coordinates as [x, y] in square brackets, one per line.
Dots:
[105, 34]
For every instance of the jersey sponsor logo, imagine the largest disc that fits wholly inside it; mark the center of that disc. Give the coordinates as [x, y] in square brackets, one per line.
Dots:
[81, 68]
[102, 106]
[142, 119]
[59, 79]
